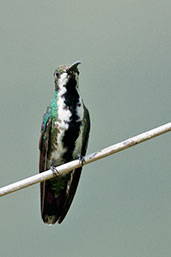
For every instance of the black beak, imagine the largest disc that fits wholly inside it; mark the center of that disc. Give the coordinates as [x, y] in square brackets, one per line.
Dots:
[73, 67]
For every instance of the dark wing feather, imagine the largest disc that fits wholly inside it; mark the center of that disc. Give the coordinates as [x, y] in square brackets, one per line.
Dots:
[43, 147]
[75, 174]
[44, 139]
[51, 206]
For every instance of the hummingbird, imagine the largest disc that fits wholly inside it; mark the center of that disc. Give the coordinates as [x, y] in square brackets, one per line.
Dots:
[64, 137]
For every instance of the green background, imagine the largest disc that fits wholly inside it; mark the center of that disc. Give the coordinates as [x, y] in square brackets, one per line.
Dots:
[122, 206]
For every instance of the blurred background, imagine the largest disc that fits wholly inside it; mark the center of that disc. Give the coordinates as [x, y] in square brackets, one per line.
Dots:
[122, 205]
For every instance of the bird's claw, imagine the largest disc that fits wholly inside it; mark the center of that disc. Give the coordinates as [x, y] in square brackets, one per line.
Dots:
[55, 171]
[82, 160]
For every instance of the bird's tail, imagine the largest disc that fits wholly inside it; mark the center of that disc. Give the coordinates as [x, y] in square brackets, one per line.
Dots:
[50, 205]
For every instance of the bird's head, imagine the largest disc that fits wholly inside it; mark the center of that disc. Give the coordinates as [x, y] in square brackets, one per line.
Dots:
[66, 74]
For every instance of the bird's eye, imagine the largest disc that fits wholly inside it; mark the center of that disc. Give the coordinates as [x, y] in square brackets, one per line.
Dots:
[57, 74]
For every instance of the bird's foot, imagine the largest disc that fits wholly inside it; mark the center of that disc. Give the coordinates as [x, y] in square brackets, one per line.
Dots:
[82, 160]
[55, 171]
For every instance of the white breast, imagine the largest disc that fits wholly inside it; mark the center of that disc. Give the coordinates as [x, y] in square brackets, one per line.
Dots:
[78, 143]
[64, 116]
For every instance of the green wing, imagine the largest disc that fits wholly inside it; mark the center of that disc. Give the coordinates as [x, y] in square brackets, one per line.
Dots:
[44, 139]
[43, 147]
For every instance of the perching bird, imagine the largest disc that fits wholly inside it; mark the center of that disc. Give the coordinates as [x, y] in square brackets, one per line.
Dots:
[64, 137]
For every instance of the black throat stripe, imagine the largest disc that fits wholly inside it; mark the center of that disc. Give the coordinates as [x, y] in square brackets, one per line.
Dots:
[71, 100]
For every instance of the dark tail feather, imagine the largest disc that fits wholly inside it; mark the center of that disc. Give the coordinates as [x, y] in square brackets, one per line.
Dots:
[50, 206]
[75, 177]
[55, 209]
